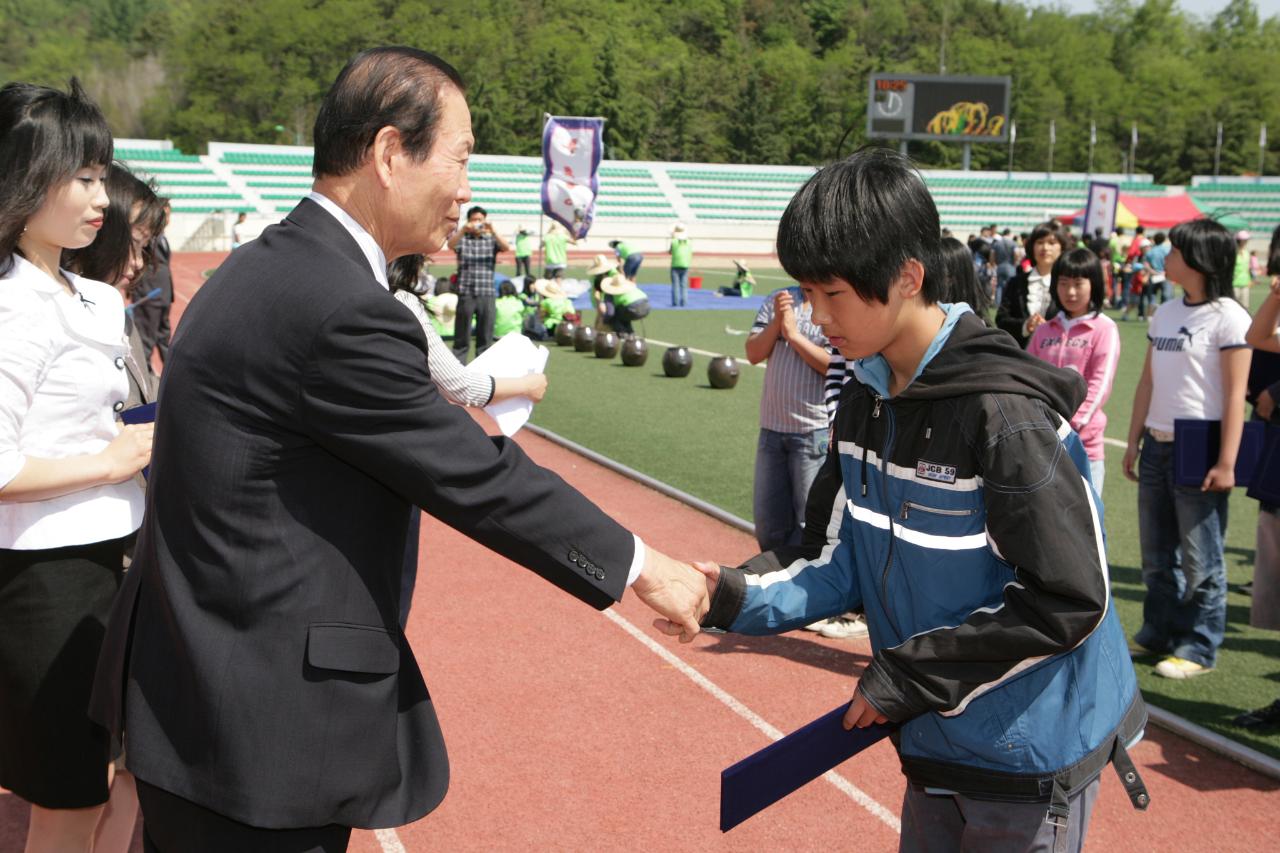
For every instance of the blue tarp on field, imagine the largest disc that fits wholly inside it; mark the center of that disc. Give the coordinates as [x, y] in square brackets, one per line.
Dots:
[695, 300]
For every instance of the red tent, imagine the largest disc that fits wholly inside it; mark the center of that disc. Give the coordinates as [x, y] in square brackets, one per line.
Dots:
[1159, 212]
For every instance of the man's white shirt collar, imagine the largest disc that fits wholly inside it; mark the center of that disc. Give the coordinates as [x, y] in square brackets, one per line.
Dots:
[372, 251]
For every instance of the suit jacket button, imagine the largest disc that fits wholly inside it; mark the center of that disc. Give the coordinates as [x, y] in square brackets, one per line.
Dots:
[118, 407]
[599, 575]
[573, 556]
[120, 362]
[583, 564]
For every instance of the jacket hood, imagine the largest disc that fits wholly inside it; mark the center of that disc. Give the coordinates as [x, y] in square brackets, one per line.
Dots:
[977, 359]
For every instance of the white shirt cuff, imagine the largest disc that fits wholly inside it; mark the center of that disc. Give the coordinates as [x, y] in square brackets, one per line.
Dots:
[637, 561]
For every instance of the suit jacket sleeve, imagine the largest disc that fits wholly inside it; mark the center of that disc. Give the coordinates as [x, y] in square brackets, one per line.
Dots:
[366, 397]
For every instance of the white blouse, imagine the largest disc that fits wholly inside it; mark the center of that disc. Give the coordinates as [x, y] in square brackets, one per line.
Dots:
[63, 378]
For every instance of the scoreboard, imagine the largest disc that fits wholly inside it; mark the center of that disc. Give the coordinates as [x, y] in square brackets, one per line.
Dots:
[932, 106]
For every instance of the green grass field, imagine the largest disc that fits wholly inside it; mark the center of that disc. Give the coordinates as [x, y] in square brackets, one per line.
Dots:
[702, 440]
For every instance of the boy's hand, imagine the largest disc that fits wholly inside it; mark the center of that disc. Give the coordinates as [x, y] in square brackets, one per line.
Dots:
[861, 713]
[1221, 478]
[1130, 457]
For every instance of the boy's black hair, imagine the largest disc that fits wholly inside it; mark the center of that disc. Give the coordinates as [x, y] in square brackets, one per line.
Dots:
[859, 220]
[474, 209]
[1159, 238]
[506, 289]
[1079, 263]
[1209, 249]
[962, 278]
[46, 136]
[1273, 254]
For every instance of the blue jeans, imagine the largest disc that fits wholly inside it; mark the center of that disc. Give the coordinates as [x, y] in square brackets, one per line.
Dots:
[631, 265]
[679, 282]
[1181, 530]
[786, 463]
[1097, 473]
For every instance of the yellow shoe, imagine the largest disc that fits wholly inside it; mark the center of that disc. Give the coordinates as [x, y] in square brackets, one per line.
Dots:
[1175, 667]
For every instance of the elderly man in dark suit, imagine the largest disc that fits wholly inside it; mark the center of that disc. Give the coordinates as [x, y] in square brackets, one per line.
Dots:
[255, 662]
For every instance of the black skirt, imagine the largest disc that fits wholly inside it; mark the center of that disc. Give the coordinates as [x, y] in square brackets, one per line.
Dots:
[53, 611]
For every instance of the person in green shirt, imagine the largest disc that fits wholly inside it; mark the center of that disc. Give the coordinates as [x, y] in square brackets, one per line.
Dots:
[509, 310]
[628, 257]
[555, 248]
[681, 259]
[743, 283]
[622, 302]
[1242, 278]
[524, 251]
[556, 304]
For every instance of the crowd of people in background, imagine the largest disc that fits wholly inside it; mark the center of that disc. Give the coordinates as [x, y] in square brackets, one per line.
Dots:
[85, 294]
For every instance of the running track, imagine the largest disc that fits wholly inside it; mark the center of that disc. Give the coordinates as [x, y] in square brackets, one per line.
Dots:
[577, 730]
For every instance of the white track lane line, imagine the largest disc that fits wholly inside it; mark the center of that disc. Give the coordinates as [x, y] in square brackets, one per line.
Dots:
[844, 785]
[739, 359]
[389, 840]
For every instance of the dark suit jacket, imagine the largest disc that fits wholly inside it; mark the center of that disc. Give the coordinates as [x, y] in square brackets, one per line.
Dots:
[1011, 313]
[254, 658]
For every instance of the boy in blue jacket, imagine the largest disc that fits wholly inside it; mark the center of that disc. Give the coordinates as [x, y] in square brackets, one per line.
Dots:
[956, 509]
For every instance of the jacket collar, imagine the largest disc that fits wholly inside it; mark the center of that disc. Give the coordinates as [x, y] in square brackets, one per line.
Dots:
[354, 242]
[94, 312]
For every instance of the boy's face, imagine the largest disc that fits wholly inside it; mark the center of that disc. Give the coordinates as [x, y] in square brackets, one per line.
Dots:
[855, 327]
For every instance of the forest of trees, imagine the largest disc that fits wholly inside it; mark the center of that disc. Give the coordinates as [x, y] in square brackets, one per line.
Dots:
[744, 81]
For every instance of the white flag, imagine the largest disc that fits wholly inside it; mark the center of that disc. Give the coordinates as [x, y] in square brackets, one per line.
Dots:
[1101, 210]
[1093, 133]
[1053, 132]
[1262, 137]
[1013, 132]
[1133, 134]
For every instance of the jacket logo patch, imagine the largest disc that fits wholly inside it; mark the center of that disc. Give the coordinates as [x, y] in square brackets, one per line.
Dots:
[937, 473]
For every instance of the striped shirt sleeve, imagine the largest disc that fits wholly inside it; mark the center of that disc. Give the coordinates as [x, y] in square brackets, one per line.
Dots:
[461, 385]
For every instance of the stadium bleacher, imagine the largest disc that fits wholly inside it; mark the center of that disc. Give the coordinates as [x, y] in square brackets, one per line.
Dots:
[647, 197]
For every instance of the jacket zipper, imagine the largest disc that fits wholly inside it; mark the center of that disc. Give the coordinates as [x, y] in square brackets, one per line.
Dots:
[885, 450]
[907, 506]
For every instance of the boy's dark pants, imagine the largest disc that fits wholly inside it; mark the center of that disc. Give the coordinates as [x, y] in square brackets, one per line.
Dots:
[946, 823]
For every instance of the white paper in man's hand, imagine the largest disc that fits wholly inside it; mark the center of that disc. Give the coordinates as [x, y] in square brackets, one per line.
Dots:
[512, 356]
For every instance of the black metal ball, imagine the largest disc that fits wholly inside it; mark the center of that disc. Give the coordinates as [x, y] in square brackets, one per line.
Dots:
[677, 362]
[606, 345]
[635, 352]
[564, 333]
[584, 339]
[722, 372]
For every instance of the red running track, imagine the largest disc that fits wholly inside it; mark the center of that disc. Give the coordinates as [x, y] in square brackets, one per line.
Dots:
[570, 732]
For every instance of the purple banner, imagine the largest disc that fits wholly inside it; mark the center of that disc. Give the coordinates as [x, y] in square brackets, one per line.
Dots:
[571, 152]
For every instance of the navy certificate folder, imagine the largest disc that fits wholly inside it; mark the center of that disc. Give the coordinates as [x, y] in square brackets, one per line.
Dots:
[144, 414]
[1195, 450]
[760, 780]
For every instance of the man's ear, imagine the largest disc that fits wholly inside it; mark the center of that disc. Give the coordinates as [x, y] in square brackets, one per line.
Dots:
[910, 279]
[386, 146]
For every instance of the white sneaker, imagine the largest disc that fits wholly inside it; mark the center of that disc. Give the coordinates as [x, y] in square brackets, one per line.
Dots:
[844, 628]
[817, 627]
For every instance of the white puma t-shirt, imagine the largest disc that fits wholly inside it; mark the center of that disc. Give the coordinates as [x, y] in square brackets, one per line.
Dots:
[1186, 365]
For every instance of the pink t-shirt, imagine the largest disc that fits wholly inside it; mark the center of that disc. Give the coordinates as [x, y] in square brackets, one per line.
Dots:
[1089, 345]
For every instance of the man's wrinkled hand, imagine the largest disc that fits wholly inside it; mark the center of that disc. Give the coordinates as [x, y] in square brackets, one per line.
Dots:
[678, 592]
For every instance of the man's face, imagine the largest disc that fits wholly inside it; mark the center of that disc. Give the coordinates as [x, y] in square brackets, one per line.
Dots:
[476, 221]
[855, 327]
[427, 196]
